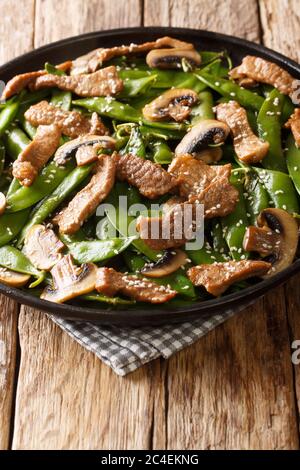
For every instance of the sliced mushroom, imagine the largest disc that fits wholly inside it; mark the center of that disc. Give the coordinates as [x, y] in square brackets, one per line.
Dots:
[275, 238]
[169, 263]
[209, 155]
[2, 203]
[175, 103]
[70, 281]
[205, 133]
[42, 247]
[12, 278]
[172, 58]
[66, 151]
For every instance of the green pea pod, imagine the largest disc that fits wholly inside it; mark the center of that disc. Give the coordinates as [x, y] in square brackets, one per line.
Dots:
[15, 141]
[280, 188]
[95, 251]
[287, 109]
[235, 224]
[32, 97]
[256, 196]
[219, 243]
[162, 153]
[11, 224]
[53, 70]
[205, 255]
[208, 56]
[293, 161]
[2, 157]
[134, 262]
[204, 110]
[62, 99]
[269, 129]
[50, 203]
[107, 300]
[7, 115]
[105, 229]
[13, 259]
[111, 108]
[46, 182]
[160, 133]
[140, 101]
[246, 98]
[27, 127]
[135, 144]
[135, 87]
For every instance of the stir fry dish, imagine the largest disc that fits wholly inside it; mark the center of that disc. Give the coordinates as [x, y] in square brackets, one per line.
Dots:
[170, 129]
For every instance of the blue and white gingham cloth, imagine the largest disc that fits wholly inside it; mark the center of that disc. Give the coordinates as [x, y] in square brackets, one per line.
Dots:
[125, 349]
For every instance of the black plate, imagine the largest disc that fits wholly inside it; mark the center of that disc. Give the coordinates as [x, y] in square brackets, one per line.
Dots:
[204, 40]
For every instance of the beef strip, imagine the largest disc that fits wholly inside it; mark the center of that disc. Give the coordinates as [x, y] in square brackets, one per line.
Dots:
[248, 147]
[194, 175]
[150, 178]
[263, 71]
[91, 61]
[36, 154]
[72, 123]
[262, 240]
[87, 200]
[109, 282]
[104, 82]
[294, 124]
[217, 277]
[219, 198]
[19, 82]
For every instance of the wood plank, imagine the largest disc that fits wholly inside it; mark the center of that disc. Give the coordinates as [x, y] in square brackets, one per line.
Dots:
[281, 26]
[67, 398]
[224, 16]
[20, 21]
[234, 388]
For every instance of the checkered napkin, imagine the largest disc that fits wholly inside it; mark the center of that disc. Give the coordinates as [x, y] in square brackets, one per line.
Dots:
[125, 349]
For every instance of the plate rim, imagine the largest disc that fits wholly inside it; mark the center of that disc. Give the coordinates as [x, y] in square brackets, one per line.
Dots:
[157, 315]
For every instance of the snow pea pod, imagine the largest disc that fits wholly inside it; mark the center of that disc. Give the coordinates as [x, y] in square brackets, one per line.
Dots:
[62, 99]
[280, 188]
[50, 203]
[293, 161]
[269, 129]
[162, 153]
[135, 87]
[235, 224]
[7, 115]
[135, 144]
[246, 98]
[15, 260]
[111, 108]
[204, 110]
[160, 133]
[256, 196]
[2, 157]
[95, 251]
[11, 224]
[205, 255]
[27, 127]
[46, 182]
[218, 241]
[32, 97]
[15, 141]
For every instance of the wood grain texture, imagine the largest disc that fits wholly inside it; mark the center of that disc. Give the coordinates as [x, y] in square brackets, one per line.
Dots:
[224, 16]
[280, 21]
[235, 386]
[21, 22]
[233, 389]
[67, 399]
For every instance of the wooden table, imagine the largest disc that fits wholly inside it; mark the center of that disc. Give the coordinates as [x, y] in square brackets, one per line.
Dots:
[237, 387]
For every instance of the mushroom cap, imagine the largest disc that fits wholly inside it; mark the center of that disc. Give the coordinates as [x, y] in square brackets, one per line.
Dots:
[171, 58]
[70, 281]
[2, 203]
[175, 103]
[66, 151]
[168, 264]
[205, 133]
[280, 242]
[42, 247]
[12, 278]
